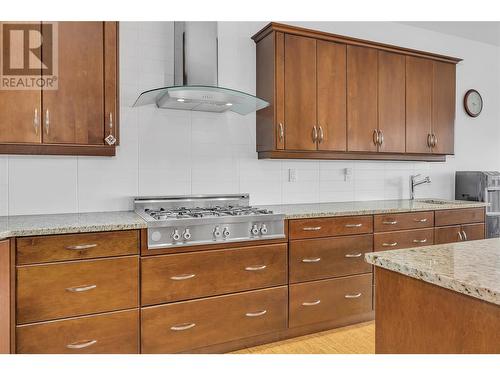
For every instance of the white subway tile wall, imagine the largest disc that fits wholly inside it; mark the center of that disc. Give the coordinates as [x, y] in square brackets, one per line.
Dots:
[165, 152]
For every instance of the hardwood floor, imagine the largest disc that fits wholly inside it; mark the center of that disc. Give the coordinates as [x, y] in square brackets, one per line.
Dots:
[355, 339]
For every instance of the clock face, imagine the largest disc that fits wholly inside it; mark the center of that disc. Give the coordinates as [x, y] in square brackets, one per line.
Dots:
[473, 103]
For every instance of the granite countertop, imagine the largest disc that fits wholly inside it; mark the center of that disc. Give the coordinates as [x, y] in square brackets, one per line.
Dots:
[303, 211]
[33, 225]
[471, 268]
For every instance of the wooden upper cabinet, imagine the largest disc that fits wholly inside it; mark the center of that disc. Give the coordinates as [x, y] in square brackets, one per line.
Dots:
[77, 116]
[418, 104]
[443, 107]
[331, 95]
[391, 102]
[361, 98]
[300, 93]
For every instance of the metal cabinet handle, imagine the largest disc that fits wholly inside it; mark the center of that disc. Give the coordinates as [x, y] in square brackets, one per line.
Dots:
[254, 314]
[375, 137]
[35, 121]
[79, 289]
[393, 222]
[281, 131]
[255, 268]
[465, 235]
[351, 296]
[460, 236]
[311, 260]
[309, 229]
[47, 121]
[321, 135]
[81, 247]
[354, 225]
[434, 140]
[183, 277]
[183, 327]
[429, 140]
[424, 220]
[315, 134]
[81, 344]
[357, 255]
[392, 244]
[420, 241]
[311, 303]
[380, 138]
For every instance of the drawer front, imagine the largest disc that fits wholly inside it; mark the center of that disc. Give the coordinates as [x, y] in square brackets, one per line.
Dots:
[450, 234]
[321, 258]
[474, 232]
[411, 220]
[42, 249]
[183, 326]
[330, 226]
[177, 277]
[403, 239]
[61, 290]
[460, 216]
[113, 333]
[330, 300]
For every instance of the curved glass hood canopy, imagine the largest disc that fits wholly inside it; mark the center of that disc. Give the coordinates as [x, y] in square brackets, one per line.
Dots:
[196, 76]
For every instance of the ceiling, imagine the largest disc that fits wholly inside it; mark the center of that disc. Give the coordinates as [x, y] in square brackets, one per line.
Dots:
[485, 32]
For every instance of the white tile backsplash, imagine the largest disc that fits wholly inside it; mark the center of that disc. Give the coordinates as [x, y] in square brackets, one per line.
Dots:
[168, 152]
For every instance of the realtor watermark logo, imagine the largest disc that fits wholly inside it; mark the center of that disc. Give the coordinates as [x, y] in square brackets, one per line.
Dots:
[28, 59]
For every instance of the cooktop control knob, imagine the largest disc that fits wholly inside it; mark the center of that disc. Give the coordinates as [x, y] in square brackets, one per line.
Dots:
[226, 232]
[186, 234]
[263, 229]
[217, 232]
[255, 230]
[176, 235]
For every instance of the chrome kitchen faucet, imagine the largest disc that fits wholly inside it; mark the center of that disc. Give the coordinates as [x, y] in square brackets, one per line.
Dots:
[414, 182]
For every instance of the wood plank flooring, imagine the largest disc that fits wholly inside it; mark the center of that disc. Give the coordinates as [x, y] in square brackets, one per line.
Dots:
[355, 339]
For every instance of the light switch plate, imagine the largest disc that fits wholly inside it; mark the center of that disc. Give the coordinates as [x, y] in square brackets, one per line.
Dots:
[292, 175]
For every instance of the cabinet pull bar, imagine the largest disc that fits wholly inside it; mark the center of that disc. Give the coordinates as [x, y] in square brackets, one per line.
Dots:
[315, 134]
[420, 241]
[357, 255]
[321, 135]
[81, 247]
[381, 138]
[375, 137]
[79, 289]
[311, 303]
[354, 225]
[424, 220]
[35, 121]
[47, 121]
[282, 131]
[393, 222]
[255, 268]
[253, 314]
[392, 244]
[81, 344]
[309, 229]
[429, 140]
[460, 236]
[183, 277]
[311, 260]
[351, 296]
[465, 235]
[435, 140]
[183, 327]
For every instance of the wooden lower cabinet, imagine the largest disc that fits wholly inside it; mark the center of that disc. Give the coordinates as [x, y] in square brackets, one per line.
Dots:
[112, 333]
[330, 300]
[458, 233]
[183, 326]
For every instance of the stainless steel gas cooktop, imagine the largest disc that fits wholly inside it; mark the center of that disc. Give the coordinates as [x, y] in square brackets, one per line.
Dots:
[206, 219]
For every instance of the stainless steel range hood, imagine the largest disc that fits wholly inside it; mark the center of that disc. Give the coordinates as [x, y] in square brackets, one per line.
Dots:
[196, 76]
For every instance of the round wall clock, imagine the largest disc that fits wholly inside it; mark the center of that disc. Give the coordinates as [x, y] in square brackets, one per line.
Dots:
[473, 103]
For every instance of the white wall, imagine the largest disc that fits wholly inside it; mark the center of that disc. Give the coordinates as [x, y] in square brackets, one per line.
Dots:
[175, 152]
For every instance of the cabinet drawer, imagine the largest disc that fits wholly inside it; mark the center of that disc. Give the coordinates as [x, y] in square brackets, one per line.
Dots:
[330, 226]
[177, 277]
[403, 239]
[411, 220]
[182, 326]
[321, 258]
[112, 333]
[455, 233]
[61, 290]
[42, 249]
[330, 300]
[460, 216]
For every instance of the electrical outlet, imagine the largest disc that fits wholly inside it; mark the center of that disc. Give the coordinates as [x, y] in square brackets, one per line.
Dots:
[347, 174]
[292, 175]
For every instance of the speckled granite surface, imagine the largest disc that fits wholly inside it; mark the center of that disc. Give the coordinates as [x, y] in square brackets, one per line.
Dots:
[301, 211]
[32, 225]
[471, 268]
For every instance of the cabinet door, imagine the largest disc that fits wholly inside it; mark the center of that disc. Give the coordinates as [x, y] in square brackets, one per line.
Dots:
[74, 113]
[443, 107]
[331, 82]
[473, 232]
[447, 234]
[361, 98]
[300, 92]
[418, 104]
[20, 114]
[391, 101]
